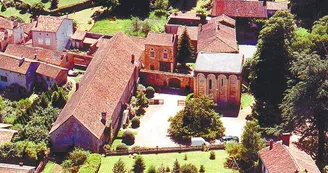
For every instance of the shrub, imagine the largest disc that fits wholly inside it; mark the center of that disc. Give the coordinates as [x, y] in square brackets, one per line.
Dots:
[140, 111]
[176, 167]
[150, 91]
[185, 157]
[141, 88]
[78, 156]
[202, 169]
[188, 168]
[54, 4]
[24, 7]
[152, 169]
[128, 137]
[189, 96]
[212, 155]
[44, 1]
[3, 8]
[92, 164]
[160, 12]
[135, 122]
[161, 169]
[90, 22]
[167, 169]
[139, 165]
[119, 167]
[121, 147]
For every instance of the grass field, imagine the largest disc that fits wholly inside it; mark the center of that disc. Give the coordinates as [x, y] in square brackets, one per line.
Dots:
[62, 3]
[52, 167]
[83, 18]
[197, 158]
[246, 100]
[14, 12]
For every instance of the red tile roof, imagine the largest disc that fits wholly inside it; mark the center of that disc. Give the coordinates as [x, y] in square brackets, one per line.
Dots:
[28, 27]
[44, 55]
[104, 81]
[49, 70]
[79, 35]
[218, 38]
[5, 23]
[277, 5]
[239, 8]
[160, 39]
[192, 31]
[281, 157]
[182, 15]
[11, 63]
[140, 41]
[224, 19]
[6, 135]
[48, 24]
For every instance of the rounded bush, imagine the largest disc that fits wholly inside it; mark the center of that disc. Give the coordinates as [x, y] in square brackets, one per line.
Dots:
[135, 122]
[150, 91]
[128, 137]
[188, 168]
[212, 155]
[121, 147]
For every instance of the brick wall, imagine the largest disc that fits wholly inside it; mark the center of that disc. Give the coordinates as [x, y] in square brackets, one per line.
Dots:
[158, 57]
[165, 79]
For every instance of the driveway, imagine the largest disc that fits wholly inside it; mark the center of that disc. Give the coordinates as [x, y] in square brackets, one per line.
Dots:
[154, 125]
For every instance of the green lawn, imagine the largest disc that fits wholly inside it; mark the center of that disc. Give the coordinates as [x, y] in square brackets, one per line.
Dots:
[62, 3]
[115, 143]
[14, 12]
[83, 18]
[197, 158]
[52, 167]
[246, 100]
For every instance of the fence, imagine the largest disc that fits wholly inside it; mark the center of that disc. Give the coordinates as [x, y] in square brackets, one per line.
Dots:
[158, 150]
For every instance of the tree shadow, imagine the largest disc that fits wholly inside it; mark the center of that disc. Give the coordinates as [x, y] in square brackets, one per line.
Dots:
[230, 111]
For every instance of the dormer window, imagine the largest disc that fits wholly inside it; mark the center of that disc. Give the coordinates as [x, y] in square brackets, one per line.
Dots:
[165, 54]
[152, 53]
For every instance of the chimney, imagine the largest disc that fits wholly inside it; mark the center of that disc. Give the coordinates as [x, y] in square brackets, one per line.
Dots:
[285, 137]
[21, 61]
[271, 144]
[12, 18]
[132, 58]
[77, 86]
[201, 27]
[103, 117]
[264, 2]
[35, 56]
[15, 24]
[21, 164]
[66, 15]
[37, 21]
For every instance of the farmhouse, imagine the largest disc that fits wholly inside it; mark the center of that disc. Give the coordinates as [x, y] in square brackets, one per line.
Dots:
[109, 80]
[52, 32]
[47, 75]
[10, 32]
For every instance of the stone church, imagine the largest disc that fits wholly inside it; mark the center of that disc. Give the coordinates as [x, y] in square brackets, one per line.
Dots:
[219, 75]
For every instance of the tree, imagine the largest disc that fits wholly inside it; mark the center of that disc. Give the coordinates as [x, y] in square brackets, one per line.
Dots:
[58, 98]
[305, 105]
[189, 168]
[44, 102]
[176, 167]
[161, 169]
[119, 167]
[270, 73]
[185, 48]
[319, 37]
[142, 100]
[152, 169]
[198, 118]
[202, 169]
[251, 142]
[139, 165]
[110, 5]
[37, 8]
[54, 4]
[161, 4]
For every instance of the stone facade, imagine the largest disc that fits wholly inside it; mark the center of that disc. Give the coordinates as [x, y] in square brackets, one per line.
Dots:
[225, 89]
[162, 58]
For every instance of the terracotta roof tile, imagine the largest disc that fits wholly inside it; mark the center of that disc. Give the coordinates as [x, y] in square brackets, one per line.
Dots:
[160, 39]
[44, 55]
[218, 38]
[48, 24]
[140, 41]
[182, 15]
[281, 157]
[277, 5]
[239, 8]
[6, 135]
[28, 27]
[224, 19]
[11, 168]
[5, 23]
[192, 31]
[105, 81]
[49, 70]
[11, 63]
[79, 35]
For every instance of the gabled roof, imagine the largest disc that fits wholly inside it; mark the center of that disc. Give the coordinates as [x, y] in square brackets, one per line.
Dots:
[216, 37]
[192, 31]
[102, 85]
[47, 23]
[49, 70]
[44, 55]
[282, 157]
[239, 8]
[6, 135]
[219, 62]
[12, 63]
[5, 23]
[224, 19]
[160, 39]
[79, 35]
[277, 5]
[140, 41]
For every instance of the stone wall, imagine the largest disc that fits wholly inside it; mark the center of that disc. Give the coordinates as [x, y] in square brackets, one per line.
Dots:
[166, 79]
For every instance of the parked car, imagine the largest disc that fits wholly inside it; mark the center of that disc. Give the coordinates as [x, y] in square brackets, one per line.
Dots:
[198, 141]
[230, 138]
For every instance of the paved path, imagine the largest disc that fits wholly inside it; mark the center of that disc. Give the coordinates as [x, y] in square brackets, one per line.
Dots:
[154, 125]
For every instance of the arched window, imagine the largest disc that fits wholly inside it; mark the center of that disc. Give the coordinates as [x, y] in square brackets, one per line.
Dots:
[222, 82]
[152, 53]
[210, 84]
[165, 54]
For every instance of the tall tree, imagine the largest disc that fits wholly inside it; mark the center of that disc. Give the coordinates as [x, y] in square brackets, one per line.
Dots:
[139, 165]
[185, 48]
[119, 167]
[305, 106]
[54, 4]
[109, 4]
[270, 72]
[176, 167]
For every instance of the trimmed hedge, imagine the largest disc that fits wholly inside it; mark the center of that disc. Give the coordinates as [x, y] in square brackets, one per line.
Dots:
[92, 164]
[128, 137]
[135, 122]
[150, 92]
[122, 147]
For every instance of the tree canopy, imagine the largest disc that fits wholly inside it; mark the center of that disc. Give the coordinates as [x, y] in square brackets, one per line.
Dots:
[185, 48]
[197, 119]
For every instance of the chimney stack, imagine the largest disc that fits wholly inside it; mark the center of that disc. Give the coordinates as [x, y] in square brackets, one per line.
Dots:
[21, 61]
[285, 137]
[103, 117]
[35, 56]
[271, 144]
[77, 86]
[201, 27]
[132, 58]
[21, 164]
[264, 2]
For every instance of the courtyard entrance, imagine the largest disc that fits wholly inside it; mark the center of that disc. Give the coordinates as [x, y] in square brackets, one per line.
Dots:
[174, 83]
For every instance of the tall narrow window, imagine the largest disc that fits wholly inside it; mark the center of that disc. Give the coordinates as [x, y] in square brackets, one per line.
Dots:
[47, 41]
[210, 84]
[40, 40]
[165, 54]
[222, 82]
[152, 53]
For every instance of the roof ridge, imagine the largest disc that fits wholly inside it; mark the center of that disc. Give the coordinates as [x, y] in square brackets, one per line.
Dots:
[217, 37]
[292, 157]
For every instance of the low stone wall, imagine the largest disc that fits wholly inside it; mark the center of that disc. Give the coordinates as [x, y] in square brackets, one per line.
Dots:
[166, 79]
